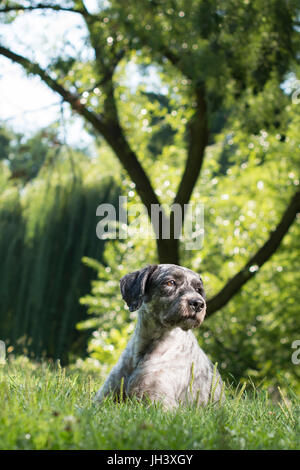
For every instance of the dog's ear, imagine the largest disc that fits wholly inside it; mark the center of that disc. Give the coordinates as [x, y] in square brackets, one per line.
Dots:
[133, 286]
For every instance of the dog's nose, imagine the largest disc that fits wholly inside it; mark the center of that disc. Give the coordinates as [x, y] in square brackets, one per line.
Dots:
[196, 304]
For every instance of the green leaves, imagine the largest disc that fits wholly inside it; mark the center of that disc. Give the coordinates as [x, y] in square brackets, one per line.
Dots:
[244, 197]
[46, 226]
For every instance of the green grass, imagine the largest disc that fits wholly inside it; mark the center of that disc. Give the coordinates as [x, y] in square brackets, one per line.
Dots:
[45, 407]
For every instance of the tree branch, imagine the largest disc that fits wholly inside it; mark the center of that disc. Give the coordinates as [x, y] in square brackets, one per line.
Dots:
[198, 125]
[262, 255]
[71, 98]
[109, 72]
[109, 128]
[118, 142]
[167, 249]
[40, 6]
[116, 137]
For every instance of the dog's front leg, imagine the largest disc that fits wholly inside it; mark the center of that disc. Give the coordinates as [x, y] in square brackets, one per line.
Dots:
[111, 386]
[118, 377]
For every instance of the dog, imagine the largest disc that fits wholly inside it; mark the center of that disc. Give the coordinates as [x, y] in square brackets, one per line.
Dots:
[163, 361]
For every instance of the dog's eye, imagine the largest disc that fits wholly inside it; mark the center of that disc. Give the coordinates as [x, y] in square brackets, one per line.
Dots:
[171, 283]
[199, 290]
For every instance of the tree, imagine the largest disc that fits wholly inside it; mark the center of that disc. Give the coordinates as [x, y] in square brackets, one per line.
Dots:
[230, 55]
[25, 157]
[48, 192]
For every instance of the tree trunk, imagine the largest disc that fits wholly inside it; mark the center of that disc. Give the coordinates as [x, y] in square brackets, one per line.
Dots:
[168, 251]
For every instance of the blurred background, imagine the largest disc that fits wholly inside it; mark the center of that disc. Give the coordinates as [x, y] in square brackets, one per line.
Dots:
[200, 92]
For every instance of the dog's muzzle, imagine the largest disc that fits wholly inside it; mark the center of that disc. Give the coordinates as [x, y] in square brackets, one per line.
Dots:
[196, 305]
[193, 314]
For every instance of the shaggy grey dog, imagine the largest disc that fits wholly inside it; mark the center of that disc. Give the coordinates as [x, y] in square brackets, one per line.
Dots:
[162, 360]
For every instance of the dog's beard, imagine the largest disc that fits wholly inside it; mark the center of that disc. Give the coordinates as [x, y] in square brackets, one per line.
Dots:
[182, 316]
[189, 323]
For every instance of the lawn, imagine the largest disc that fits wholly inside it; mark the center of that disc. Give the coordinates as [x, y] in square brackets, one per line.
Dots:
[48, 407]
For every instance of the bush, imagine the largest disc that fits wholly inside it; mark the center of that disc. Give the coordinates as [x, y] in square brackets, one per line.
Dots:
[46, 227]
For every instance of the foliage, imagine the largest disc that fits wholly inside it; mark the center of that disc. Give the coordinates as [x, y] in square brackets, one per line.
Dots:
[48, 407]
[252, 335]
[230, 62]
[25, 156]
[233, 58]
[111, 323]
[47, 225]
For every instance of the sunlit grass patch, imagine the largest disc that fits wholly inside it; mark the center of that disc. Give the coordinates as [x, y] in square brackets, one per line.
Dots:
[49, 407]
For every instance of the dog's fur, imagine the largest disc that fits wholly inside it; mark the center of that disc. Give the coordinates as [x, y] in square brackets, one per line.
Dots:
[162, 360]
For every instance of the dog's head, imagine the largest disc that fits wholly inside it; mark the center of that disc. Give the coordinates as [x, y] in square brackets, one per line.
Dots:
[172, 294]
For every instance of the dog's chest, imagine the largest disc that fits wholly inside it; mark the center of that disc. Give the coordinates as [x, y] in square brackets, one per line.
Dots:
[175, 354]
[170, 368]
